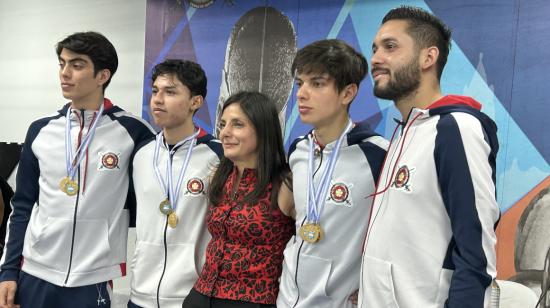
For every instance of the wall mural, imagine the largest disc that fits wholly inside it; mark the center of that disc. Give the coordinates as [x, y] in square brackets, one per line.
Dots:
[497, 57]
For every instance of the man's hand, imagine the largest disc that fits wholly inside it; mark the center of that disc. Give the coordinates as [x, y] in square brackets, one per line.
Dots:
[354, 297]
[7, 294]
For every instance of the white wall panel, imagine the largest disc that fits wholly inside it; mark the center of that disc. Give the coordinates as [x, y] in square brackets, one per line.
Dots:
[29, 30]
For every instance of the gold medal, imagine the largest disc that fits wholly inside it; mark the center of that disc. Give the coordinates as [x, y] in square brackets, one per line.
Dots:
[165, 207]
[62, 183]
[172, 220]
[311, 233]
[68, 186]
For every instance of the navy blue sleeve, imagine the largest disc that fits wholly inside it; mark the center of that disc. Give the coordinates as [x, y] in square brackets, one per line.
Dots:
[7, 194]
[464, 175]
[141, 133]
[23, 201]
[138, 130]
[293, 145]
[375, 156]
[131, 202]
[214, 144]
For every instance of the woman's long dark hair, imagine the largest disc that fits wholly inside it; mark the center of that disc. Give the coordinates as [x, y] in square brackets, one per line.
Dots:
[272, 166]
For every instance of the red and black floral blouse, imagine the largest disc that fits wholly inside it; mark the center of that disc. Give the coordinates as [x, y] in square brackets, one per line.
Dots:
[244, 257]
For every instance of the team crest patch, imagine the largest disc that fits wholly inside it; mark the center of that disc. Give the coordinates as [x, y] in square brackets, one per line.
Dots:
[195, 186]
[109, 161]
[403, 178]
[340, 194]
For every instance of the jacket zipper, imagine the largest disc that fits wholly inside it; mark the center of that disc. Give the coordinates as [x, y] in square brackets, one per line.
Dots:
[74, 229]
[165, 262]
[302, 244]
[170, 156]
[75, 207]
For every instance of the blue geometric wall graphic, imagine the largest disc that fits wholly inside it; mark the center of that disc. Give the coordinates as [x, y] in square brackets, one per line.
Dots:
[520, 165]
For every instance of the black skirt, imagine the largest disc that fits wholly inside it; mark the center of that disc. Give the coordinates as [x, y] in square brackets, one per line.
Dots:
[198, 300]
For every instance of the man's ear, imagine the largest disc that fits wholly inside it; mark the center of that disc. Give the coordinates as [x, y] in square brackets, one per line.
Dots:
[196, 102]
[348, 93]
[429, 57]
[103, 76]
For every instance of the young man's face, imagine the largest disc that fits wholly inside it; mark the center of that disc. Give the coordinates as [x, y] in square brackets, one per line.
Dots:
[319, 101]
[76, 73]
[172, 104]
[395, 61]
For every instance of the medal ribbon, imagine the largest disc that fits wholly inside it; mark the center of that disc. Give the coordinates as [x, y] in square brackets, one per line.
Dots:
[168, 188]
[71, 163]
[316, 199]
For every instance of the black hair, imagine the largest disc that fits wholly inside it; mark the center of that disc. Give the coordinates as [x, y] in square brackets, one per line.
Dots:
[333, 57]
[272, 167]
[188, 73]
[94, 45]
[426, 29]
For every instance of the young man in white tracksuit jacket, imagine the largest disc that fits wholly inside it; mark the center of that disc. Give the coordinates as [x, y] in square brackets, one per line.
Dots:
[431, 239]
[69, 226]
[335, 168]
[170, 176]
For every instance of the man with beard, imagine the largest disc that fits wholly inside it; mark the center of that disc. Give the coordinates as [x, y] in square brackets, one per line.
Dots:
[430, 240]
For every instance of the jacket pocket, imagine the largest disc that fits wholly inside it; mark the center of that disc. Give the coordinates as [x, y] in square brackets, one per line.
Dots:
[50, 243]
[287, 287]
[118, 237]
[147, 265]
[92, 250]
[313, 275]
[377, 284]
[181, 271]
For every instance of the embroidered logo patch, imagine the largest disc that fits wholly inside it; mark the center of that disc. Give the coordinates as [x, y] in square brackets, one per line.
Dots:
[339, 194]
[195, 186]
[403, 178]
[109, 161]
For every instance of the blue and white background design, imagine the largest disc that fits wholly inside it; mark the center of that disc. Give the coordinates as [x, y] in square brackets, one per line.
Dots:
[499, 56]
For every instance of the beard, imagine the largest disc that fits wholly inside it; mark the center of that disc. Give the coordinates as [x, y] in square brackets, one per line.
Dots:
[406, 81]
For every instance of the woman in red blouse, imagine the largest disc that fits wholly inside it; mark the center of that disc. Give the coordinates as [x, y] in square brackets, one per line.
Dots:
[251, 209]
